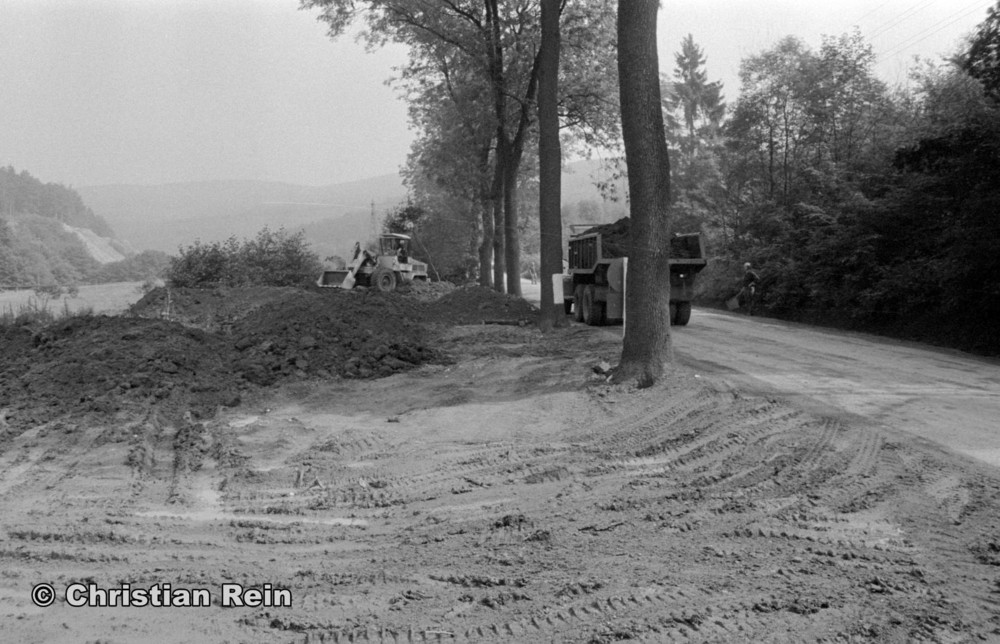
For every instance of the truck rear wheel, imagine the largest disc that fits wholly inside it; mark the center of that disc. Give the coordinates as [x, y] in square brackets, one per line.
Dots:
[683, 313]
[384, 280]
[593, 311]
[567, 306]
[578, 303]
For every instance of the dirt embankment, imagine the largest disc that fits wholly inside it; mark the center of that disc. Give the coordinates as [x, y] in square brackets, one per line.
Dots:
[507, 494]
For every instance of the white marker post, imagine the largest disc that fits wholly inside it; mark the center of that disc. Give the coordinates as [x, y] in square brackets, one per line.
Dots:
[557, 289]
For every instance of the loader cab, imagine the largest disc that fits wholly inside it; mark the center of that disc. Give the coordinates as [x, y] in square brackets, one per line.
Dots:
[389, 243]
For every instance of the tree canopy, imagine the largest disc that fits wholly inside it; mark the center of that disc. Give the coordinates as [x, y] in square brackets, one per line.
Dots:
[861, 205]
[472, 84]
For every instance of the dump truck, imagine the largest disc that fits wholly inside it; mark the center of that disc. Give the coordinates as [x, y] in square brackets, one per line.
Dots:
[594, 288]
[383, 271]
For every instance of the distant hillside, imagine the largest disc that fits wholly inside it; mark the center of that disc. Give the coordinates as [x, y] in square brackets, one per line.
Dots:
[329, 237]
[165, 217]
[103, 249]
[21, 194]
[49, 237]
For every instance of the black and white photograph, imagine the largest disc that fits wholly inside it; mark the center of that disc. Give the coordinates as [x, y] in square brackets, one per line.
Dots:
[404, 321]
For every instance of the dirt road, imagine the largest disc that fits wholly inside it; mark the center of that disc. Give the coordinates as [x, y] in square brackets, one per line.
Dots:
[949, 397]
[944, 396]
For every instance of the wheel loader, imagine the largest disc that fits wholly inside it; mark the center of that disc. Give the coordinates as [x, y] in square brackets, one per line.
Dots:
[384, 271]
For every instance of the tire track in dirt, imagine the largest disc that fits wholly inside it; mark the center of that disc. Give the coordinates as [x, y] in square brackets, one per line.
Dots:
[683, 513]
[694, 451]
[680, 615]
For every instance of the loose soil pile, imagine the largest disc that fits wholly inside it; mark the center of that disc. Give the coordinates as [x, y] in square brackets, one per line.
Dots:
[477, 304]
[106, 364]
[354, 335]
[615, 240]
[427, 291]
[192, 350]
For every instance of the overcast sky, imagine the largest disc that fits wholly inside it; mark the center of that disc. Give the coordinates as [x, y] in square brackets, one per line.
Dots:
[157, 91]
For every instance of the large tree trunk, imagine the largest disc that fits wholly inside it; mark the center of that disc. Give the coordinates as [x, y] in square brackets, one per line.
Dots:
[500, 156]
[549, 165]
[486, 245]
[498, 227]
[487, 197]
[647, 345]
[512, 240]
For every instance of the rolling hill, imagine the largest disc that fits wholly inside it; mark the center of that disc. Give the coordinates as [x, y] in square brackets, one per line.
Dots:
[166, 217]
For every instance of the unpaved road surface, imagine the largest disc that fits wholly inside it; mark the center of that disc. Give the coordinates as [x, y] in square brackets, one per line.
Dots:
[944, 396]
[504, 494]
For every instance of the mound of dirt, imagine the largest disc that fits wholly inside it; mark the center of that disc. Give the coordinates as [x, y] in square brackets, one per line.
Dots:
[243, 338]
[106, 364]
[207, 308]
[355, 334]
[478, 304]
[428, 291]
[193, 350]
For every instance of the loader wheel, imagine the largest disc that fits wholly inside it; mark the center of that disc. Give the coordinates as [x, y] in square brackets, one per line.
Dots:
[578, 303]
[683, 313]
[673, 314]
[593, 311]
[384, 280]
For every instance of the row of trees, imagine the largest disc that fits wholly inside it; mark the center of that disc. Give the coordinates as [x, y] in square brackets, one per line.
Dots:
[472, 84]
[860, 203]
[485, 79]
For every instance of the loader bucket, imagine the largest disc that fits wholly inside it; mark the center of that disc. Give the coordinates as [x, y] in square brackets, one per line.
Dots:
[339, 279]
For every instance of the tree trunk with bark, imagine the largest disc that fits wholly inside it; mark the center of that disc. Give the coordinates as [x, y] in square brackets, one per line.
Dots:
[512, 238]
[647, 346]
[549, 165]
[499, 261]
[486, 245]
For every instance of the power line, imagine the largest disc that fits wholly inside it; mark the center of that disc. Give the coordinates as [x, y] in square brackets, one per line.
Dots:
[930, 31]
[310, 203]
[870, 12]
[901, 18]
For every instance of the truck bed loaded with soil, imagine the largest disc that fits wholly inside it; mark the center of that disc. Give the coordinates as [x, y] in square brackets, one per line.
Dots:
[594, 289]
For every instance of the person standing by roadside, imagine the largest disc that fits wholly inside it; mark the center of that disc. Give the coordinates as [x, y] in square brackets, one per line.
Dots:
[750, 283]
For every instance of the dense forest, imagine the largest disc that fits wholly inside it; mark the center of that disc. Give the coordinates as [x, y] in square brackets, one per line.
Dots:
[860, 205]
[37, 250]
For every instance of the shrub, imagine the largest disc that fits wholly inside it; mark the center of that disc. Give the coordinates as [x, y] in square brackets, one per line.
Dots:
[270, 259]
